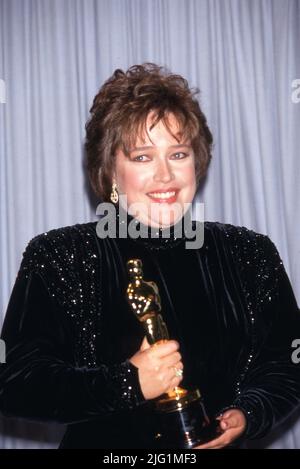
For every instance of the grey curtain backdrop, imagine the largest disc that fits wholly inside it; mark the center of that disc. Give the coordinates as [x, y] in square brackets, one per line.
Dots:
[244, 55]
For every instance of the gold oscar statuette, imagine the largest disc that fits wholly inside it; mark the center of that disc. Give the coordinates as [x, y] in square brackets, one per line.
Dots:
[181, 418]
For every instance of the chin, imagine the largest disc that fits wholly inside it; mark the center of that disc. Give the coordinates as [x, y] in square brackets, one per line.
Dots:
[163, 221]
[168, 215]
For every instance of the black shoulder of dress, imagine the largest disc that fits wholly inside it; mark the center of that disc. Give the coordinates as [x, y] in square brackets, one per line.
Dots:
[255, 256]
[65, 233]
[241, 239]
[59, 247]
[231, 231]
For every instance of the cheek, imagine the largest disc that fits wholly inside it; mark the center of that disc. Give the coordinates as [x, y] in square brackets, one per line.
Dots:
[188, 176]
[132, 180]
[190, 186]
[192, 176]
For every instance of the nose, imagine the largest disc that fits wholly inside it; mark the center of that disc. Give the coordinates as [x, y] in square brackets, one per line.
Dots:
[163, 171]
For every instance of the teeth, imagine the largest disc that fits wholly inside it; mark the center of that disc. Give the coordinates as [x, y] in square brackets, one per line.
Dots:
[162, 195]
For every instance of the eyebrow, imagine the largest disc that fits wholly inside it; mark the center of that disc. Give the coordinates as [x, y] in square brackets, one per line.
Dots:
[149, 147]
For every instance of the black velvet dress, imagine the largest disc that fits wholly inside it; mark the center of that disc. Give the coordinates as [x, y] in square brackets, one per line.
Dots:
[69, 331]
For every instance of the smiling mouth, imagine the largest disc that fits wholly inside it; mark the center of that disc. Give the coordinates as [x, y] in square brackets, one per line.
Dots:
[163, 196]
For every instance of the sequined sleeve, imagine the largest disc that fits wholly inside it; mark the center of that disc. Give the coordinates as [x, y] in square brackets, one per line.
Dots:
[41, 379]
[268, 387]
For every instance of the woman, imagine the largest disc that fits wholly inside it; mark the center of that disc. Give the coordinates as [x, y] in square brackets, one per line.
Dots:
[76, 352]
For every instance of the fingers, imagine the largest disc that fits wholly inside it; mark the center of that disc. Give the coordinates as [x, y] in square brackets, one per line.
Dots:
[174, 383]
[233, 423]
[163, 349]
[173, 360]
[159, 357]
[228, 423]
[171, 380]
[224, 440]
[164, 355]
[157, 366]
[168, 374]
[232, 418]
[167, 365]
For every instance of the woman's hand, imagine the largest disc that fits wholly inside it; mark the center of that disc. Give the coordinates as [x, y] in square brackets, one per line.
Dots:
[157, 367]
[232, 424]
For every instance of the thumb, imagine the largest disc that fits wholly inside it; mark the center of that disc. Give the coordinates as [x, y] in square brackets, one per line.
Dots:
[224, 424]
[229, 420]
[145, 345]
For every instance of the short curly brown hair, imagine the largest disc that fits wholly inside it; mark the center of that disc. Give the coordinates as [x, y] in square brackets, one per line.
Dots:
[119, 113]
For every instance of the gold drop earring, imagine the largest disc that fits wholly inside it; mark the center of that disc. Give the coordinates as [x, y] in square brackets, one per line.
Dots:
[114, 197]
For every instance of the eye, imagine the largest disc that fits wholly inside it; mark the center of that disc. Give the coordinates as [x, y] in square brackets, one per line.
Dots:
[141, 158]
[180, 155]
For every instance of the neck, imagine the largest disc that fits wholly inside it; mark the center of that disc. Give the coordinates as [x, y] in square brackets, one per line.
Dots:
[153, 237]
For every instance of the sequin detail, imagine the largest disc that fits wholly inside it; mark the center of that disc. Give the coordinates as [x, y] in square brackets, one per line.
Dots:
[69, 261]
[257, 259]
[125, 377]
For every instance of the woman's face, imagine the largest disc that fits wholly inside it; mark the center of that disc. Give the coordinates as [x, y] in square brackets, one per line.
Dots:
[159, 174]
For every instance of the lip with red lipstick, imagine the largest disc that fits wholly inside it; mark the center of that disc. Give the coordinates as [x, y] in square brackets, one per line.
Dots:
[164, 196]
